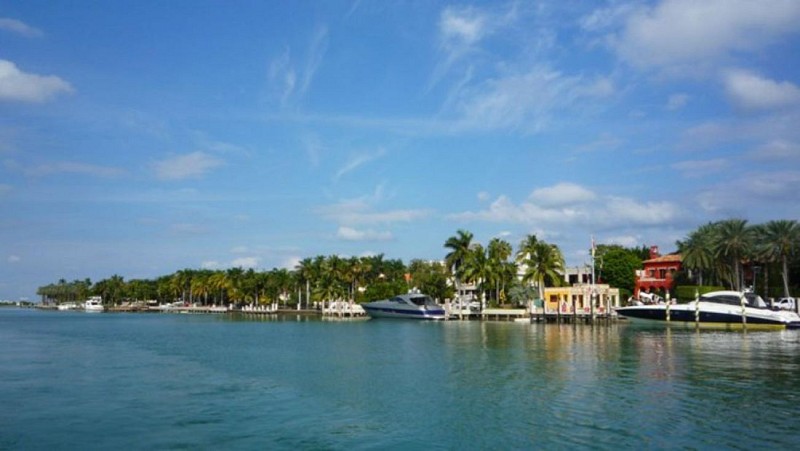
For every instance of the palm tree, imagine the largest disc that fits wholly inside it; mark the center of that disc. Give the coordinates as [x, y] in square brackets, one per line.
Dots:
[220, 282]
[477, 269]
[498, 253]
[780, 240]
[459, 246]
[305, 271]
[696, 251]
[734, 242]
[544, 266]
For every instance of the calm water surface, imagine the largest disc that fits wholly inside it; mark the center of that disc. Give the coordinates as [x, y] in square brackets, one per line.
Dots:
[165, 381]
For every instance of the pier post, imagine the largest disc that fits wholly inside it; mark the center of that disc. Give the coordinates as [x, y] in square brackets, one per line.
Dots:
[668, 303]
[696, 308]
[744, 312]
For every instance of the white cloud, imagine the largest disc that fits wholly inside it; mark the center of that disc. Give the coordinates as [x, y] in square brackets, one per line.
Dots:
[291, 262]
[16, 85]
[20, 28]
[688, 33]
[210, 264]
[565, 204]
[751, 91]
[764, 190]
[460, 26]
[351, 216]
[351, 234]
[14, 259]
[195, 164]
[623, 240]
[677, 101]
[68, 167]
[360, 210]
[245, 262]
[561, 194]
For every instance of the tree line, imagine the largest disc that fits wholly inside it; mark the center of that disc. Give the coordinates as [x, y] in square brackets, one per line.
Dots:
[720, 252]
[732, 252]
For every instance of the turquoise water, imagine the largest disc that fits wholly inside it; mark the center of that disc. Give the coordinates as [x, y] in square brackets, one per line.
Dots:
[165, 381]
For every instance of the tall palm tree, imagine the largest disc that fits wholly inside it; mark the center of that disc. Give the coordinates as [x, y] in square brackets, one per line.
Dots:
[498, 253]
[476, 268]
[544, 266]
[305, 272]
[780, 240]
[696, 251]
[459, 246]
[734, 243]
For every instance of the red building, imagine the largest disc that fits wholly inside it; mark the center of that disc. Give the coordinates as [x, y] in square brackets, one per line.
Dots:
[656, 276]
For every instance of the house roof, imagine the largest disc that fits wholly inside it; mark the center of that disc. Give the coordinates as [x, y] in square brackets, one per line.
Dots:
[671, 258]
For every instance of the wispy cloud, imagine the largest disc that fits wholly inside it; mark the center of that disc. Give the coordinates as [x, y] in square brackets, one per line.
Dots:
[290, 84]
[69, 167]
[191, 165]
[16, 85]
[778, 150]
[700, 168]
[527, 100]
[358, 161]
[677, 101]
[352, 234]
[20, 28]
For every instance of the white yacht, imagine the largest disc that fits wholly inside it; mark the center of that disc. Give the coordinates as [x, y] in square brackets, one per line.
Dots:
[93, 304]
[717, 309]
[411, 305]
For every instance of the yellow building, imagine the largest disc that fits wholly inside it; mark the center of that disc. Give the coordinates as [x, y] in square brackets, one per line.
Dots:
[577, 298]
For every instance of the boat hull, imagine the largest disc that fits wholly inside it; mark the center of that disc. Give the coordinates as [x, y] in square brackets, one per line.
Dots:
[708, 315]
[377, 311]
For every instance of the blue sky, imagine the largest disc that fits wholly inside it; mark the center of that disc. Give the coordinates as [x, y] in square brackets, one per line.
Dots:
[139, 138]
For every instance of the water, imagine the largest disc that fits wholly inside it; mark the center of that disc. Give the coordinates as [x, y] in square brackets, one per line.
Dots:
[161, 381]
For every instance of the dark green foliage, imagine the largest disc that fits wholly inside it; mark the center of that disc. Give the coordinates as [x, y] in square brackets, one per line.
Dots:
[616, 266]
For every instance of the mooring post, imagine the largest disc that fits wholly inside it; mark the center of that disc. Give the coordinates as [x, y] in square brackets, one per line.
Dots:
[696, 308]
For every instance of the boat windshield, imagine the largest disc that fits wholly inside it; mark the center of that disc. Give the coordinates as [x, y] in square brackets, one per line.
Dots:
[422, 300]
[751, 299]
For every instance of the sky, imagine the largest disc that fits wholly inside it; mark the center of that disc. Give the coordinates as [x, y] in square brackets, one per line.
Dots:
[139, 138]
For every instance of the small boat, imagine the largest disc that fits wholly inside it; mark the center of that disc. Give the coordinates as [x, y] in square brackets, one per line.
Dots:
[717, 309]
[93, 304]
[411, 305]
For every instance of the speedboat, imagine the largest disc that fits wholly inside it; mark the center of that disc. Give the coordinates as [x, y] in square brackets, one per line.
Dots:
[411, 305]
[717, 309]
[93, 304]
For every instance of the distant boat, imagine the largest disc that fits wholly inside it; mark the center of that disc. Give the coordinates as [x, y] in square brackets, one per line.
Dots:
[717, 309]
[67, 306]
[94, 304]
[412, 306]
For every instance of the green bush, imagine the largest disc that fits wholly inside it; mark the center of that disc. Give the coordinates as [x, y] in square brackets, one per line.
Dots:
[686, 293]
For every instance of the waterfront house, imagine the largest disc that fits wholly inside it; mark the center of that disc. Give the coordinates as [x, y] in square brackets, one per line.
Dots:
[656, 274]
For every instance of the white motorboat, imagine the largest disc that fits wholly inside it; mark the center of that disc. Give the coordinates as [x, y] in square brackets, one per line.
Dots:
[717, 309]
[411, 305]
[93, 304]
